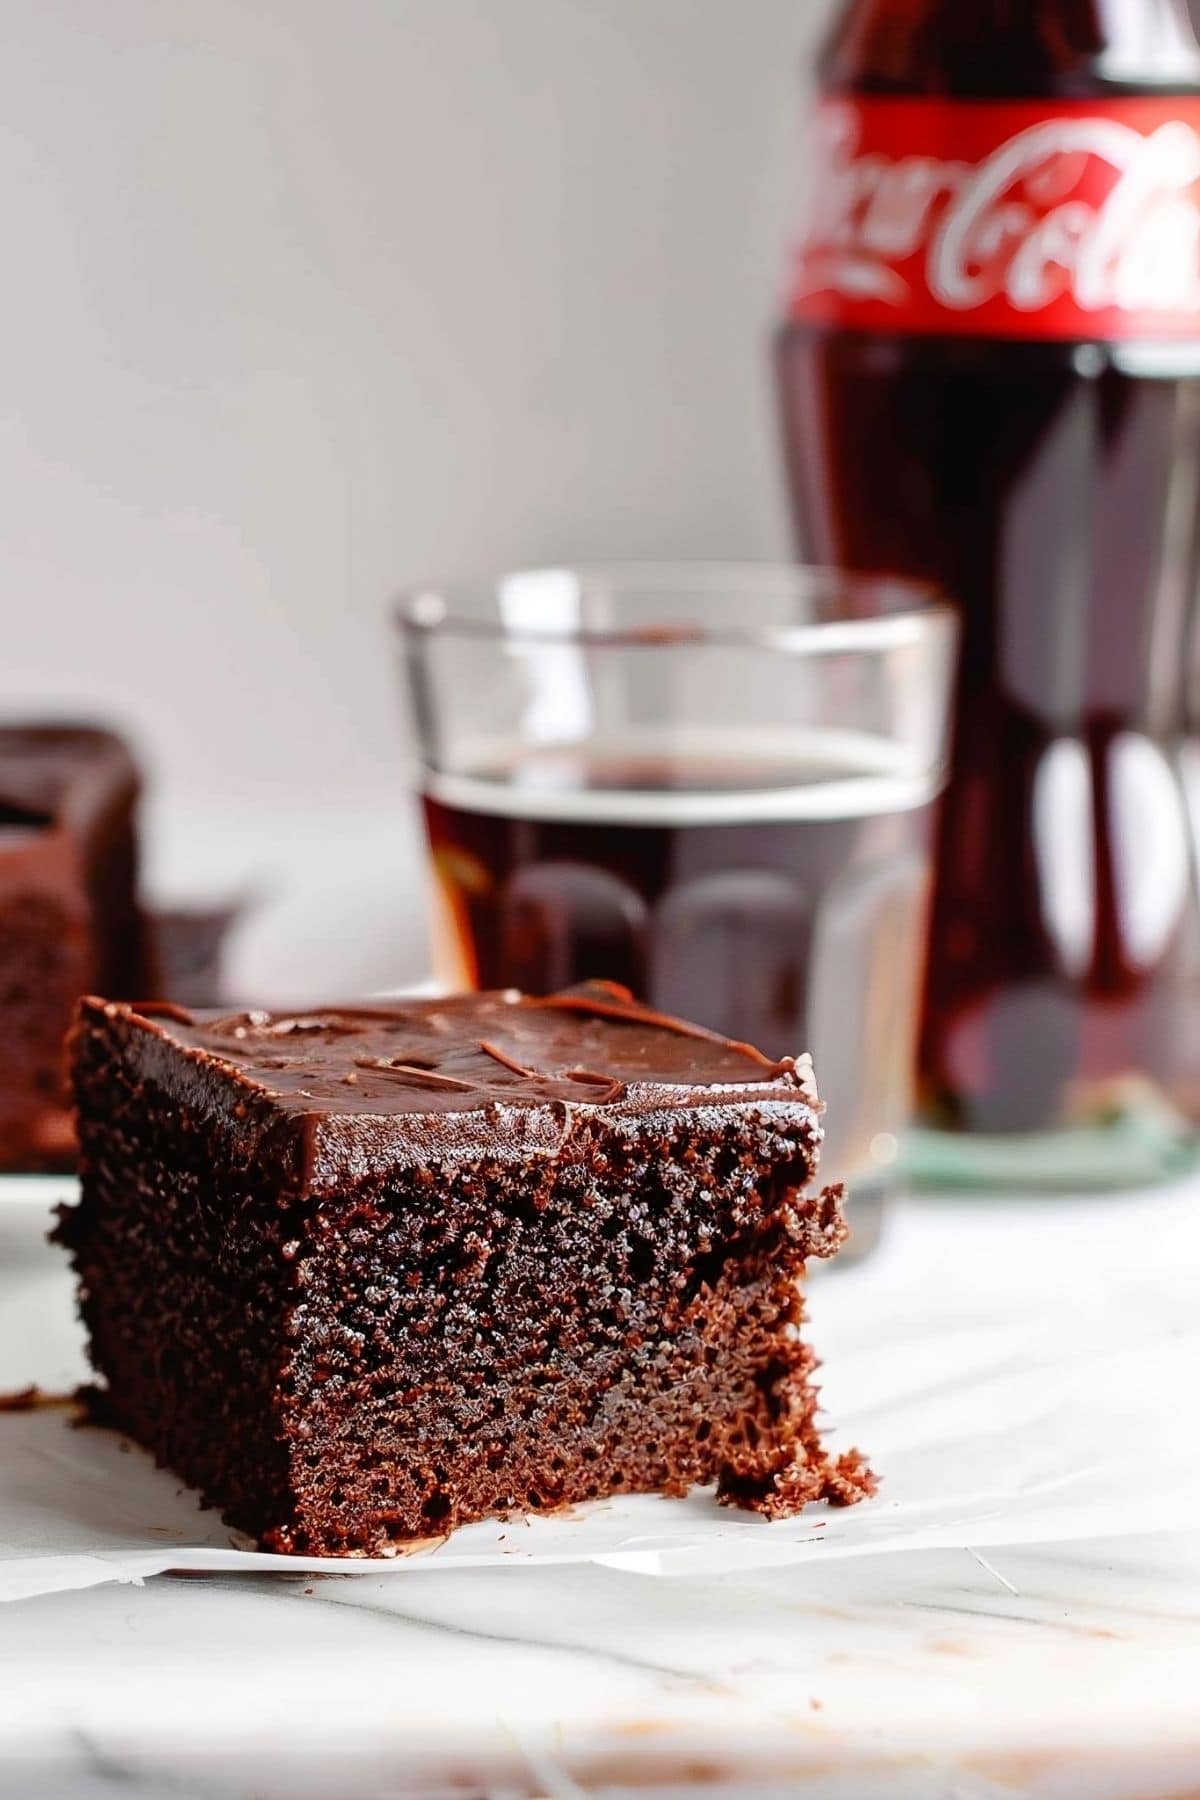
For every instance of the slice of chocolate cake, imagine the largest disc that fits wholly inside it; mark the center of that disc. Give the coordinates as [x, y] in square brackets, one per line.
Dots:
[362, 1275]
[69, 921]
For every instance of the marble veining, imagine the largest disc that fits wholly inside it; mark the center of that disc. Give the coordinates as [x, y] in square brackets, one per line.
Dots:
[909, 1676]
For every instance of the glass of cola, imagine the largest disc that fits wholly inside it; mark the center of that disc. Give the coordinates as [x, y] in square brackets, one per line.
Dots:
[713, 785]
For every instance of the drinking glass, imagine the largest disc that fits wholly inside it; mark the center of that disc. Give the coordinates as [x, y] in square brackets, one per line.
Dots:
[713, 784]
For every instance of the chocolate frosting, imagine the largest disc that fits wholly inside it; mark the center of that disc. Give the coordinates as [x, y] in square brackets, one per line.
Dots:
[55, 773]
[593, 1046]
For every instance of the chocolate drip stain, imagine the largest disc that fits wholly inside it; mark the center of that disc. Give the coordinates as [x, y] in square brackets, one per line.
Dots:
[36, 1399]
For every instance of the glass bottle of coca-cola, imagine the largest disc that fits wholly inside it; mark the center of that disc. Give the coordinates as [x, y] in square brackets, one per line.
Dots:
[990, 378]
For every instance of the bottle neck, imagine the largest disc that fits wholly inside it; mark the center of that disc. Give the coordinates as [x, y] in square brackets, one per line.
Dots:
[1012, 48]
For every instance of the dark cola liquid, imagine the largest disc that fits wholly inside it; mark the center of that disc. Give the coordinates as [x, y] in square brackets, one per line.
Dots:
[1039, 489]
[781, 902]
[1053, 490]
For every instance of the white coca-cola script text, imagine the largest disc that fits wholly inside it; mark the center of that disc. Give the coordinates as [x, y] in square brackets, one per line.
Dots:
[1083, 208]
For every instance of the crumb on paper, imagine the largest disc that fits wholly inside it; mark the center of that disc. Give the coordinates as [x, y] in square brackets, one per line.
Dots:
[35, 1399]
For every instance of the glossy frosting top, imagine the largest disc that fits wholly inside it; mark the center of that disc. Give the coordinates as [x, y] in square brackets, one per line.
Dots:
[592, 1046]
[53, 772]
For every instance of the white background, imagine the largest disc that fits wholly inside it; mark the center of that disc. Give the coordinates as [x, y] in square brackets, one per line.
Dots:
[302, 300]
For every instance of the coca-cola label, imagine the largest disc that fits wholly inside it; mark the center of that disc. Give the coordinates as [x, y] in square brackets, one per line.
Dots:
[1064, 219]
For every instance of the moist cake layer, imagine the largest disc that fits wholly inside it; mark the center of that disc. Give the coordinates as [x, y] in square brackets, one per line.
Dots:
[365, 1273]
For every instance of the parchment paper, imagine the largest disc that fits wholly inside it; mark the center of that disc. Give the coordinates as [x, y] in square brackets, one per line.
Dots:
[1019, 1371]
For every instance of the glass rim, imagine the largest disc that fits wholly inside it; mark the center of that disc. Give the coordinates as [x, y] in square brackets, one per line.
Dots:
[909, 608]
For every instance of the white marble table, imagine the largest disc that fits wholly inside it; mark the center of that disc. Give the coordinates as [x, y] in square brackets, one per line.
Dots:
[1052, 1672]
[1058, 1674]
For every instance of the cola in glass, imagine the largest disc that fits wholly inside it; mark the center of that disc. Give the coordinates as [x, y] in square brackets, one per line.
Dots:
[714, 786]
[989, 374]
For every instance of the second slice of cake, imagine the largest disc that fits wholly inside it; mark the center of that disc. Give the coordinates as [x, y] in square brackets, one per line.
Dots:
[69, 918]
[362, 1275]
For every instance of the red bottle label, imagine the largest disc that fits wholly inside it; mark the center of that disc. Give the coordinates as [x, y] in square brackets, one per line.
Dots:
[1031, 219]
